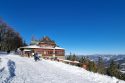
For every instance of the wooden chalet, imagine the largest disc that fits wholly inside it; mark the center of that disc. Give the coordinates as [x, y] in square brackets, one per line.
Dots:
[46, 48]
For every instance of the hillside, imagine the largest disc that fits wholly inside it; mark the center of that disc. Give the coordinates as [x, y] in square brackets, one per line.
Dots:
[16, 69]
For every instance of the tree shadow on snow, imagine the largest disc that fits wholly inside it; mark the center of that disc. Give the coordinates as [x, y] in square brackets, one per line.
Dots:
[1, 71]
[11, 68]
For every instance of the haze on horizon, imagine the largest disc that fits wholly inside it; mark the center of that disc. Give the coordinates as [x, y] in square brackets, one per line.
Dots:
[79, 26]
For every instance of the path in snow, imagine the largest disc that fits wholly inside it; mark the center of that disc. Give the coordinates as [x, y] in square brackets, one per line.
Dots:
[17, 69]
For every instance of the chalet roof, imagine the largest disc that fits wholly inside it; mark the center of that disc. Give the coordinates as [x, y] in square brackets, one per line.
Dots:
[46, 39]
[51, 48]
[31, 46]
[44, 47]
[34, 42]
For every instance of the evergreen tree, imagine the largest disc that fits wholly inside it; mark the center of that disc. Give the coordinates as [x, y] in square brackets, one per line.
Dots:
[92, 66]
[69, 57]
[113, 69]
[100, 66]
[74, 58]
[82, 59]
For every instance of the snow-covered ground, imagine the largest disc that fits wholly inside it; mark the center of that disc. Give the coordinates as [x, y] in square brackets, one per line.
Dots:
[16, 69]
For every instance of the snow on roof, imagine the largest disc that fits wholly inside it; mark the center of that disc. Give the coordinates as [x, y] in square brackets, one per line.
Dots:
[26, 50]
[76, 62]
[58, 48]
[31, 46]
[51, 48]
[45, 47]
[67, 61]
[71, 61]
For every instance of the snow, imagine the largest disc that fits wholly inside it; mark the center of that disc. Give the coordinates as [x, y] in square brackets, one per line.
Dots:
[123, 64]
[16, 69]
[26, 50]
[31, 46]
[44, 47]
[58, 48]
[50, 47]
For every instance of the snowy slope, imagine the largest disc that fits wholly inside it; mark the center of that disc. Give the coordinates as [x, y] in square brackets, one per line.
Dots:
[16, 69]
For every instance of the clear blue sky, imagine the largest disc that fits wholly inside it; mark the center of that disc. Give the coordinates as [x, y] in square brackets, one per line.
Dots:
[79, 26]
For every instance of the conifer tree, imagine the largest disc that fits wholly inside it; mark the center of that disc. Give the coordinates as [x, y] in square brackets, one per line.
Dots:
[74, 57]
[113, 69]
[69, 57]
[100, 66]
[82, 59]
[92, 66]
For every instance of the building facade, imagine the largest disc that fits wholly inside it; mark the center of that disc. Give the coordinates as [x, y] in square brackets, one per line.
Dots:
[46, 48]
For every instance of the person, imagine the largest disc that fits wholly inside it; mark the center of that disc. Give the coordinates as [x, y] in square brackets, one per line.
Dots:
[36, 57]
[8, 51]
[33, 54]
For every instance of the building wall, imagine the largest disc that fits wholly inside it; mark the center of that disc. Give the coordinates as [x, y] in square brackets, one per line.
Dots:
[60, 57]
[46, 44]
[60, 53]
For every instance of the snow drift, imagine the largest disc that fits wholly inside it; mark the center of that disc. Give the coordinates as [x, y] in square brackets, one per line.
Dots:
[16, 69]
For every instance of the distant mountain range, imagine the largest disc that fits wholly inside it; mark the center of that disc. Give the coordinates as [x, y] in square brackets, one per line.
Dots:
[107, 58]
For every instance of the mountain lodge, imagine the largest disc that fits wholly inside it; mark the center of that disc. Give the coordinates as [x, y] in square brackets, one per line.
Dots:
[46, 47]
